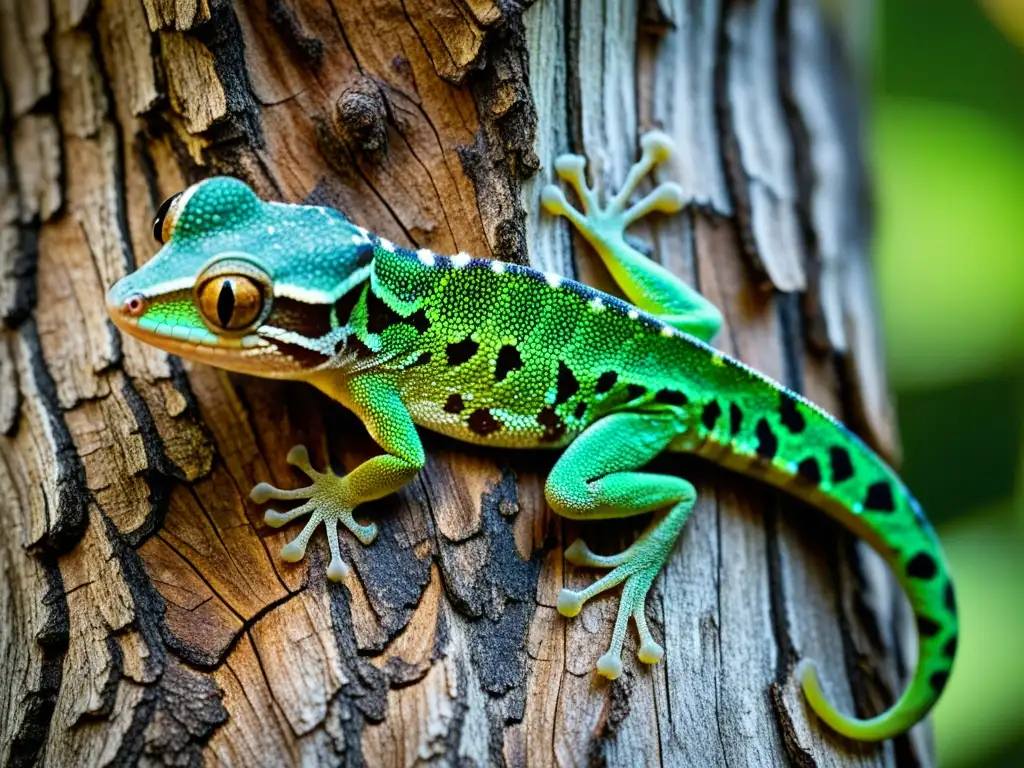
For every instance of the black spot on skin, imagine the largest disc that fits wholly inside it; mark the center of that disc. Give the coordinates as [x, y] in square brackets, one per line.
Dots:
[926, 627]
[922, 566]
[949, 649]
[767, 442]
[343, 307]
[633, 391]
[508, 360]
[606, 381]
[671, 397]
[418, 320]
[809, 470]
[791, 418]
[461, 351]
[226, 303]
[581, 408]
[842, 467]
[354, 344]
[423, 359]
[709, 416]
[950, 598]
[566, 384]
[880, 498]
[735, 419]
[483, 423]
[365, 254]
[454, 404]
[378, 314]
[938, 680]
[554, 427]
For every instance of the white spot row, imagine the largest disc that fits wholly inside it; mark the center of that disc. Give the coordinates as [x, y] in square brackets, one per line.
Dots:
[461, 259]
[426, 257]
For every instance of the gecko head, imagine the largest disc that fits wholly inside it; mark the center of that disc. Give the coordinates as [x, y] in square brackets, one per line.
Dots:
[241, 283]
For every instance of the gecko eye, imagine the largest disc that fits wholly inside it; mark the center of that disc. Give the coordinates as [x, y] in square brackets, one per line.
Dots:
[231, 302]
[163, 224]
[233, 294]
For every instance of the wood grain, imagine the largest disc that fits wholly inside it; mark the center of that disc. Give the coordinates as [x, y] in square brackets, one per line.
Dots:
[146, 616]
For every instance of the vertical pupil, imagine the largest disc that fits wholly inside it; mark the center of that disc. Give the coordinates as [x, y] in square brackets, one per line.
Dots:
[226, 303]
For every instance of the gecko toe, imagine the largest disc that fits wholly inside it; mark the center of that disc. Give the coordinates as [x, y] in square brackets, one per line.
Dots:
[650, 652]
[262, 492]
[337, 570]
[292, 552]
[609, 666]
[569, 603]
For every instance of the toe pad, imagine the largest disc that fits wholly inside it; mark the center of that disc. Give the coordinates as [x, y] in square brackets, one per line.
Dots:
[650, 652]
[292, 553]
[337, 570]
[261, 492]
[569, 603]
[298, 455]
[609, 666]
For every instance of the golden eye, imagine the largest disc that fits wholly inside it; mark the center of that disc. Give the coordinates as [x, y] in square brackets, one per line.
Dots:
[231, 302]
[163, 224]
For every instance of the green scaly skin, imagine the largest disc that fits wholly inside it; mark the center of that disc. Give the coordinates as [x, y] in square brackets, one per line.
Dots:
[498, 354]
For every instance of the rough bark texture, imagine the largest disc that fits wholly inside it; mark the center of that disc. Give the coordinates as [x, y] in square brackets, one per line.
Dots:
[145, 616]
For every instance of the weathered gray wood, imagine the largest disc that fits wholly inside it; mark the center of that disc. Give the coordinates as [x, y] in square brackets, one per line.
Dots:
[145, 615]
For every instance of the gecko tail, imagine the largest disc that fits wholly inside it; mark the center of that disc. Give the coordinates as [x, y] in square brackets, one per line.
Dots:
[919, 566]
[894, 721]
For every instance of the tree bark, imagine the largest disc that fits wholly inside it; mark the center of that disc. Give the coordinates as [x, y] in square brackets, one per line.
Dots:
[146, 617]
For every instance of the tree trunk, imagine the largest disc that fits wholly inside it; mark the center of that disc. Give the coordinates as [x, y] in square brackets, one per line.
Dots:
[146, 616]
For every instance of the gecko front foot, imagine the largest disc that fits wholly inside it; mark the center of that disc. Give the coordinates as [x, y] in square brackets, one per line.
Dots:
[637, 566]
[328, 501]
[606, 224]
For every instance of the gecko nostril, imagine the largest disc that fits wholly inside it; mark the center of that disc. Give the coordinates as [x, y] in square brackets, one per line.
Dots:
[134, 305]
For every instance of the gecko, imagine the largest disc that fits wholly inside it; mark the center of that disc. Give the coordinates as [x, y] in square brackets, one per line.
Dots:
[499, 354]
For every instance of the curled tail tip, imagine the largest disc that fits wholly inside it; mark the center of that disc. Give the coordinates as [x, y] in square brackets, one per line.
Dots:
[890, 723]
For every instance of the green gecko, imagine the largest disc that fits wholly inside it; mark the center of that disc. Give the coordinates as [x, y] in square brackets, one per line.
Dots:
[503, 355]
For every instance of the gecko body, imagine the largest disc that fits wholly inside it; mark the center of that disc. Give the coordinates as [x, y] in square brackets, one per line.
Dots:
[503, 355]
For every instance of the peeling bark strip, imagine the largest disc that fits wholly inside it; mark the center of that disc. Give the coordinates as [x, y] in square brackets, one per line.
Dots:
[146, 616]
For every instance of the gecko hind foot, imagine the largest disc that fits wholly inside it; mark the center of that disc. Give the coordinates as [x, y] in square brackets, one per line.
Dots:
[326, 501]
[594, 220]
[637, 566]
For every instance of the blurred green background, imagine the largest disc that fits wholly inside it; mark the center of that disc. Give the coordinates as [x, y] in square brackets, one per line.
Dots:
[947, 125]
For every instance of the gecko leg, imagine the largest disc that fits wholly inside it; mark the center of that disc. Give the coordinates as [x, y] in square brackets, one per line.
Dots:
[332, 498]
[594, 480]
[647, 284]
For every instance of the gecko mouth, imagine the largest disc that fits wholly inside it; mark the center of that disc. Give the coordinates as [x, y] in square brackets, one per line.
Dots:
[244, 354]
